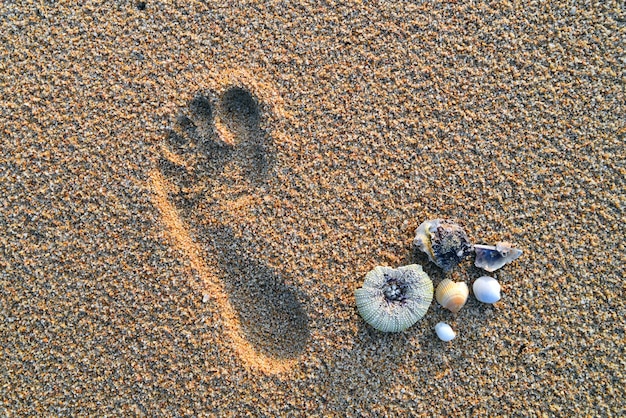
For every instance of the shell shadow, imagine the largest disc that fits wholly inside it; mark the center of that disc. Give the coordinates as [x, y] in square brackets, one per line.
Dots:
[270, 311]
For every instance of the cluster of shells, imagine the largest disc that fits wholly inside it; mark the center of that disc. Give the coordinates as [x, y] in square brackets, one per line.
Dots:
[392, 300]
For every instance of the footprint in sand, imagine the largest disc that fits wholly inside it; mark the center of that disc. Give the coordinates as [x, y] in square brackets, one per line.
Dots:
[216, 161]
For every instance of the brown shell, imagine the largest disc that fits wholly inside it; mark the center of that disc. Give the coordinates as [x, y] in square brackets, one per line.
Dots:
[452, 295]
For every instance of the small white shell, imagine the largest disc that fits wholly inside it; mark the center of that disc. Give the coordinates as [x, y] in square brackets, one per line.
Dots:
[452, 295]
[491, 258]
[391, 300]
[444, 331]
[487, 289]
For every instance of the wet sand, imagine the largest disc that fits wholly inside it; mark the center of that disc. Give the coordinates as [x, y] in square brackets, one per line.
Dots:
[190, 194]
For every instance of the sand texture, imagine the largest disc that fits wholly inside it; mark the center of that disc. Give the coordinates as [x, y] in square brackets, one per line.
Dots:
[191, 192]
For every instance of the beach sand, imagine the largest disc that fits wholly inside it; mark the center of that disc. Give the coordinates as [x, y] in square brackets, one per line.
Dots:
[190, 194]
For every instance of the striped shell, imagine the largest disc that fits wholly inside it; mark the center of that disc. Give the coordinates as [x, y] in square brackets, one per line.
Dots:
[391, 300]
[452, 295]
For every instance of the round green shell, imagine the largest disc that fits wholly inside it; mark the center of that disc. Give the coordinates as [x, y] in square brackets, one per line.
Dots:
[391, 300]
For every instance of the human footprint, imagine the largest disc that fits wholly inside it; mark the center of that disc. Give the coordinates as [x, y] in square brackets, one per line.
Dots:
[214, 162]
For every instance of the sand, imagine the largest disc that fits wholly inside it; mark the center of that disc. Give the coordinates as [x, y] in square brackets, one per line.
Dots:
[190, 194]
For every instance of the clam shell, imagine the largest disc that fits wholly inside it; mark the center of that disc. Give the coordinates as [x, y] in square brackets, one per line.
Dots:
[491, 258]
[452, 295]
[444, 331]
[486, 289]
[391, 300]
[444, 241]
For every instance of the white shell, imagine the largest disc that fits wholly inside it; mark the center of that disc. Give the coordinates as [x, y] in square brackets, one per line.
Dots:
[422, 237]
[444, 331]
[452, 295]
[391, 300]
[487, 289]
[491, 258]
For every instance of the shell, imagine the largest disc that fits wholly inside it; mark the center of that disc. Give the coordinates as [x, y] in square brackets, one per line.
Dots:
[391, 300]
[452, 295]
[491, 258]
[486, 289]
[444, 241]
[444, 331]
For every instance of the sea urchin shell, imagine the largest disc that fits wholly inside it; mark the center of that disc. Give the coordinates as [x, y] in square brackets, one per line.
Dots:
[391, 300]
[444, 241]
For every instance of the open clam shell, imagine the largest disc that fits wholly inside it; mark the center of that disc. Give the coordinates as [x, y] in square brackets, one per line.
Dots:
[444, 241]
[491, 258]
[391, 300]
